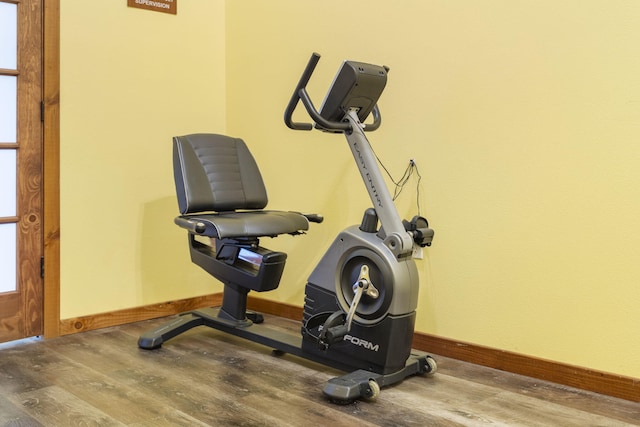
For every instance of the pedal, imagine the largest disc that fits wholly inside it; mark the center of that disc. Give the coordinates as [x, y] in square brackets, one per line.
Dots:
[331, 329]
[335, 334]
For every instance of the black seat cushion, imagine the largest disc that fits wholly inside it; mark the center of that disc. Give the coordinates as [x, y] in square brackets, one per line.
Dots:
[219, 185]
[250, 223]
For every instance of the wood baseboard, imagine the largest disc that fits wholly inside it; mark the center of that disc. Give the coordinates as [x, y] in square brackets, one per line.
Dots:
[619, 386]
[606, 383]
[137, 314]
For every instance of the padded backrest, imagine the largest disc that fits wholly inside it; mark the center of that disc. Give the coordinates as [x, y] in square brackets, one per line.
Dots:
[216, 173]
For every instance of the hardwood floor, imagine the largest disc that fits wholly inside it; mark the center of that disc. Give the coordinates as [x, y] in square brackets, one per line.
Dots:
[207, 378]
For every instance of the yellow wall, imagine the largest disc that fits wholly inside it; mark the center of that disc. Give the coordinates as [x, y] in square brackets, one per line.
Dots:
[130, 80]
[523, 117]
[524, 120]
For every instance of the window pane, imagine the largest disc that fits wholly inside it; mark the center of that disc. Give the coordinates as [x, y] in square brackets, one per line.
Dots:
[7, 183]
[8, 105]
[8, 35]
[7, 257]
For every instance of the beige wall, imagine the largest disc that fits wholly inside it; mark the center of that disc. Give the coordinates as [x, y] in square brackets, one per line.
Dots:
[130, 80]
[521, 115]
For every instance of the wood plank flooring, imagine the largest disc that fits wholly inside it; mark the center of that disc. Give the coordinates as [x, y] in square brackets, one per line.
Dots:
[207, 378]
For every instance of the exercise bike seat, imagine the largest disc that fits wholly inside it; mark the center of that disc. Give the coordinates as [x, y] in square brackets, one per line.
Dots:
[221, 193]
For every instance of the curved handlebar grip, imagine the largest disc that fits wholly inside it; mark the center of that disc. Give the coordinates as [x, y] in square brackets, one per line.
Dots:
[293, 102]
[324, 123]
[377, 120]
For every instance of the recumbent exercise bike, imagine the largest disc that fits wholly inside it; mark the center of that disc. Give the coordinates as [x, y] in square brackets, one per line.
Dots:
[360, 300]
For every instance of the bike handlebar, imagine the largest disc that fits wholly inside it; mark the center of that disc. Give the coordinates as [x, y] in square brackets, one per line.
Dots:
[300, 94]
[302, 84]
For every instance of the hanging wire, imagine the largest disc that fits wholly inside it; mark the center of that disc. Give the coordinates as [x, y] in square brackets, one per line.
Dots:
[402, 182]
[415, 167]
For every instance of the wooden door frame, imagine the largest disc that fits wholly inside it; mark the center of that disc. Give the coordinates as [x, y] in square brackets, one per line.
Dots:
[21, 303]
[51, 166]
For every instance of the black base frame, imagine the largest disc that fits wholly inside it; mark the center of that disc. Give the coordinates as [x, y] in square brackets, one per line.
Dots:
[354, 385]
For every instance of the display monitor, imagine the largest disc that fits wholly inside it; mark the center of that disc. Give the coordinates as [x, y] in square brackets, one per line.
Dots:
[358, 86]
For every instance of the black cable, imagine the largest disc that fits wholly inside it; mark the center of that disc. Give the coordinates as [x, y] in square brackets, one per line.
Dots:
[406, 176]
[417, 186]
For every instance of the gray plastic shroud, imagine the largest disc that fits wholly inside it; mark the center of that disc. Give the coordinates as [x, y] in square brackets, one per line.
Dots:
[393, 249]
[353, 241]
[397, 239]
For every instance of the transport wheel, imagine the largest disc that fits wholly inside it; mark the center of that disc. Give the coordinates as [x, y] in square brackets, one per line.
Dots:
[373, 391]
[432, 365]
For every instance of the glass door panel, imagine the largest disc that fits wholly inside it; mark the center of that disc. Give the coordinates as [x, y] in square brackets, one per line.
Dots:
[7, 258]
[7, 183]
[8, 35]
[8, 144]
[8, 105]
